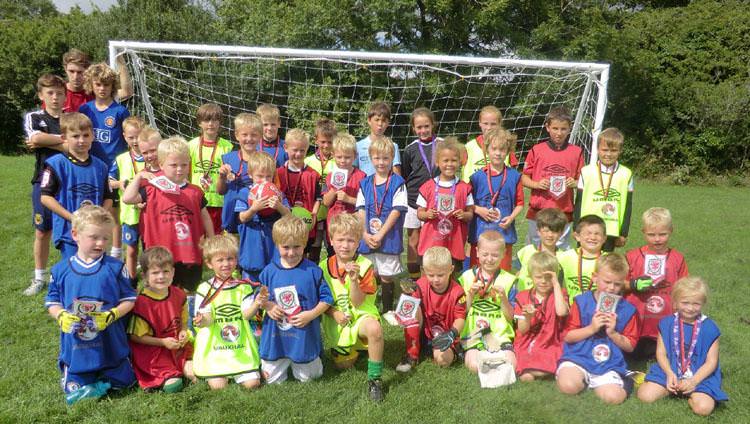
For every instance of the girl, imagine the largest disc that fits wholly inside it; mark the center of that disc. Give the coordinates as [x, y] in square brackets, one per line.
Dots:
[687, 352]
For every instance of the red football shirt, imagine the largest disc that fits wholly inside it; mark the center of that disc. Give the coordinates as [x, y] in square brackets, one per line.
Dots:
[301, 188]
[541, 346]
[544, 161]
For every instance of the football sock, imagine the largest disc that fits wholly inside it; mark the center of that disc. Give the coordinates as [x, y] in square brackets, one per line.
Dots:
[374, 369]
[414, 271]
[40, 274]
[387, 295]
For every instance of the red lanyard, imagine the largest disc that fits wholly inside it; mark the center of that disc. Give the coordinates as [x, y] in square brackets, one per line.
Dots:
[213, 153]
[213, 292]
[543, 309]
[580, 271]
[239, 173]
[486, 284]
[379, 208]
[605, 190]
[495, 195]
[323, 163]
[275, 152]
[288, 187]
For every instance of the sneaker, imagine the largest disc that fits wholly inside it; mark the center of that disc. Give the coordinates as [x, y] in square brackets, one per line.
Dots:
[375, 390]
[406, 364]
[34, 288]
[390, 318]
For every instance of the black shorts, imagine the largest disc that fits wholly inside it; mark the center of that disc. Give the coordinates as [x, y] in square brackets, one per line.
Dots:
[187, 276]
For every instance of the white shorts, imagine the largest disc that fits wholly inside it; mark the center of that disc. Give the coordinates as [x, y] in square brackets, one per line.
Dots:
[593, 380]
[276, 371]
[411, 221]
[241, 378]
[386, 265]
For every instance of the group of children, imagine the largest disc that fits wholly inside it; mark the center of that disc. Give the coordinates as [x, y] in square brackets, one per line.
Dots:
[258, 217]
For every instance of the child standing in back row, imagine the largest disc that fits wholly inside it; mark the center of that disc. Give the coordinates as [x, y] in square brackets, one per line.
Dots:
[378, 119]
[271, 143]
[490, 118]
[322, 162]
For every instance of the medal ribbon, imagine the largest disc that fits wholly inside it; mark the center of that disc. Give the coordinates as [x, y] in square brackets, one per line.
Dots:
[495, 195]
[537, 305]
[213, 153]
[292, 199]
[238, 174]
[437, 190]
[479, 276]
[275, 152]
[678, 340]
[429, 165]
[601, 179]
[213, 292]
[323, 163]
[580, 271]
[379, 208]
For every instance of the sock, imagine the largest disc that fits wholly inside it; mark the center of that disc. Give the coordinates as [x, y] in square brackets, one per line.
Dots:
[387, 295]
[40, 274]
[414, 271]
[116, 252]
[374, 369]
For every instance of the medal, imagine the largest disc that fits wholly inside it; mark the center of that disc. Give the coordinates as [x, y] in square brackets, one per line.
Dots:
[206, 180]
[486, 284]
[678, 343]
[375, 223]
[494, 195]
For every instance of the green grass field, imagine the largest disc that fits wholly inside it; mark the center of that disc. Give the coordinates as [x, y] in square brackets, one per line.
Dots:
[708, 230]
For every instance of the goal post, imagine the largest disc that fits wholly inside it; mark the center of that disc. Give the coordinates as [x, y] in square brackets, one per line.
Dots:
[171, 80]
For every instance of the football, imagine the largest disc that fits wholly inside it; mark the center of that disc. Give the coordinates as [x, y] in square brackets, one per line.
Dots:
[259, 191]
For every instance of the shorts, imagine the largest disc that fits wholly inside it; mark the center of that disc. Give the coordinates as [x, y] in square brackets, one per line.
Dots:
[130, 235]
[41, 217]
[386, 265]
[594, 380]
[411, 221]
[120, 377]
[245, 376]
[187, 276]
[276, 371]
[320, 232]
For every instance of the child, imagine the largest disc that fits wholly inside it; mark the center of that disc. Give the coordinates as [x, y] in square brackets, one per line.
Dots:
[158, 329]
[42, 129]
[206, 151]
[382, 205]
[551, 170]
[378, 119]
[256, 241]
[174, 214]
[445, 206]
[541, 313]
[338, 197]
[578, 264]
[418, 166]
[476, 152]
[271, 143]
[489, 291]
[551, 223]
[613, 201]
[148, 145]
[320, 161]
[87, 295]
[225, 346]
[299, 182]
[687, 352]
[498, 195]
[297, 296]
[442, 313]
[73, 180]
[123, 170]
[353, 322]
[654, 268]
[234, 174]
[595, 340]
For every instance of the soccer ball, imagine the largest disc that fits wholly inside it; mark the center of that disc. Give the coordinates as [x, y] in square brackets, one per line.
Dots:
[259, 191]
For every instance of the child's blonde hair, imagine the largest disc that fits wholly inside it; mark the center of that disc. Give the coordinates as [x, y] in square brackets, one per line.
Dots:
[612, 138]
[155, 257]
[174, 145]
[74, 121]
[92, 215]
[298, 135]
[219, 243]
[491, 236]
[149, 133]
[133, 122]
[344, 142]
[382, 145]
[501, 138]
[259, 161]
[615, 262]
[492, 110]
[103, 73]
[691, 285]
[325, 127]
[437, 257]
[290, 230]
[209, 112]
[451, 144]
[269, 112]
[656, 216]
[76, 57]
[423, 112]
[346, 223]
[248, 120]
[542, 262]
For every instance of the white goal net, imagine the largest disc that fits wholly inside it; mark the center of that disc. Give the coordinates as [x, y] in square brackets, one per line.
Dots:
[172, 80]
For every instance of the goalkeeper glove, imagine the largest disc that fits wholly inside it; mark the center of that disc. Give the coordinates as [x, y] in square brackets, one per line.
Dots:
[68, 322]
[641, 283]
[103, 320]
[444, 341]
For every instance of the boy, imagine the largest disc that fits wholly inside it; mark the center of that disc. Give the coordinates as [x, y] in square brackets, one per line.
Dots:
[255, 229]
[382, 205]
[42, 128]
[321, 161]
[125, 167]
[578, 264]
[87, 295]
[73, 180]
[148, 145]
[442, 313]
[594, 340]
[608, 201]
[654, 269]
[297, 296]
[158, 328]
[225, 345]
[551, 170]
[490, 290]
[498, 195]
[174, 215]
[234, 174]
[476, 152]
[378, 119]
[271, 143]
[206, 151]
[551, 223]
[299, 182]
[353, 322]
